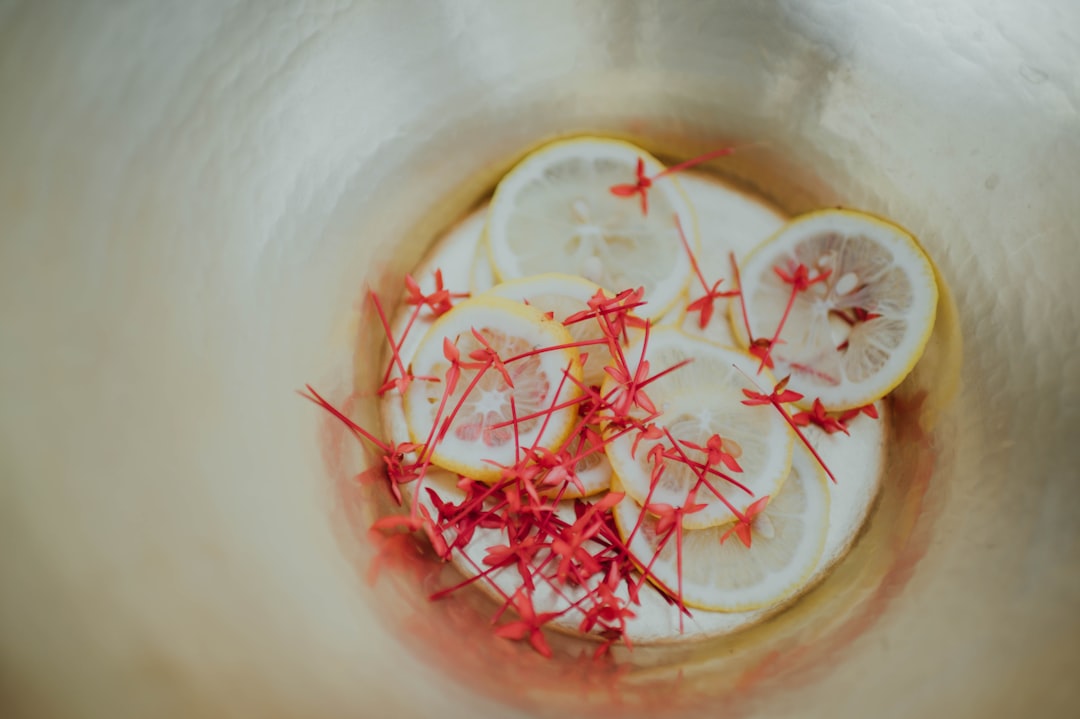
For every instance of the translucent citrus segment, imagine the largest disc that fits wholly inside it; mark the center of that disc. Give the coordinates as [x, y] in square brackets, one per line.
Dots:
[483, 403]
[696, 402]
[787, 540]
[555, 212]
[853, 336]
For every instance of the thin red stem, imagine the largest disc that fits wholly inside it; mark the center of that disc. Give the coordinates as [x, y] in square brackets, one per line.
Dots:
[677, 366]
[396, 358]
[779, 328]
[554, 348]
[541, 412]
[429, 446]
[555, 397]
[742, 298]
[701, 467]
[690, 254]
[603, 312]
[395, 347]
[693, 161]
[353, 426]
[678, 561]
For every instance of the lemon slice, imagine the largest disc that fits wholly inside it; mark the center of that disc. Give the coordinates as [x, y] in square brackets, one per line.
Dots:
[787, 540]
[555, 212]
[697, 401]
[853, 337]
[562, 296]
[481, 435]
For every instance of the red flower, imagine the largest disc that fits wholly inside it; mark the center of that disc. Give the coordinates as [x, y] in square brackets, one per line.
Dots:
[631, 391]
[488, 356]
[821, 418]
[440, 301]
[650, 431]
[799, 278]
[644, 182]
[529, 624]
[669, 517]
[714, 449]
[743, 525]
[640, 187]
[559, 467]
[705, 303]
[780, 395]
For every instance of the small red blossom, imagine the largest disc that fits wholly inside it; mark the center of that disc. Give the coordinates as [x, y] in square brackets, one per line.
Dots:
[631, 393]
[647, 432]
[558, 467]
[780, 395]
[817, 415]
[744, 524]
[521, 553]
[799, 278]
[399, 471]
[528, 625]
[705, 304]
[639, 187]
[643, 182]
[488, 355]
[716, 452]
[608, 612]
[669, 516]
[439, 301]
[573, 554]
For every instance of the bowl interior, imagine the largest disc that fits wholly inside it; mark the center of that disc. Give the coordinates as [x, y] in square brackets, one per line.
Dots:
[196, 201]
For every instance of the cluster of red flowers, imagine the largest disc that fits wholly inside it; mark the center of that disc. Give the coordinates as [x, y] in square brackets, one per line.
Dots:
[579, 557]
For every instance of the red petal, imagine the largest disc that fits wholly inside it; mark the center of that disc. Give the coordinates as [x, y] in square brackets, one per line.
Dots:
[706, 315]
[609, 500]
[755, 508]
[450, 350]
[642, 400]
[743, 532]
[788, 396]
[513, 630]
[539, 643]
[725, 535]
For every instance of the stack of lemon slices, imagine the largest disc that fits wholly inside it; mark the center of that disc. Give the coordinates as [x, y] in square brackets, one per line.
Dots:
[556, 237]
